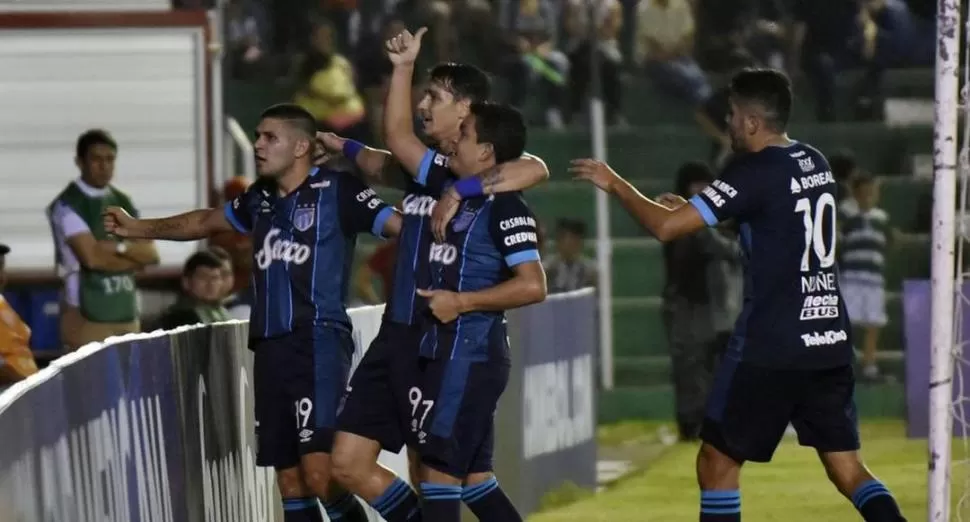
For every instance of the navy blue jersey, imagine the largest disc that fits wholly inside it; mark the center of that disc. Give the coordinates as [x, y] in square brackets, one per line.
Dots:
[303, 247]
[784, 200]
[411, 266]
[486, 239]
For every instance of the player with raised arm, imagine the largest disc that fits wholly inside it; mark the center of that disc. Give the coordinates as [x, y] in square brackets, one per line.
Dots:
[304, 221]
[790, 357]
[371, 418]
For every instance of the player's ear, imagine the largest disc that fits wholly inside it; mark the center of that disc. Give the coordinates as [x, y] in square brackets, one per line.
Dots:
[304, 146]
[486, 152]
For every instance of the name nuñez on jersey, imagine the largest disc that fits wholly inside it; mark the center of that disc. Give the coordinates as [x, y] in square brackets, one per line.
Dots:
[275, 249]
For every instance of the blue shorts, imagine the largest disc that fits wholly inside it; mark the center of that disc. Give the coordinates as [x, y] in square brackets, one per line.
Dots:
[377, 397]
[298, 381]
[452, 404]
[750, 408]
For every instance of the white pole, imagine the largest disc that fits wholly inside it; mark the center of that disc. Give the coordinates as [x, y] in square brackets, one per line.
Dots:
[942, 276]
[216, 121]
[604, 245]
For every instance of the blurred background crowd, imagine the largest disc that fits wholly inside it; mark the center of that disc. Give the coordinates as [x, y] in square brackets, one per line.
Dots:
[862, 73]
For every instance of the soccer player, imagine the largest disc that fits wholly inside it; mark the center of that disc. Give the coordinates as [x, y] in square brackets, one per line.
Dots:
[790, 358]
[379, 391]
[304, 221]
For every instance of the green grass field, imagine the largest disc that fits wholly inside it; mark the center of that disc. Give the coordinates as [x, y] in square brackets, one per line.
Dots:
[792, 488]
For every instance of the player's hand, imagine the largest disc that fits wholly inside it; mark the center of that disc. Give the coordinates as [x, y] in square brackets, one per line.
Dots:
[446, 209]
[118, 222]
[403, 49]
[328, 146]
[445, 305]
[671, 201]
[595, 172]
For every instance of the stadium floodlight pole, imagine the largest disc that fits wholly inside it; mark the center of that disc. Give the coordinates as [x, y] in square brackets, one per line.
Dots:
[604, 246]
[942, 269]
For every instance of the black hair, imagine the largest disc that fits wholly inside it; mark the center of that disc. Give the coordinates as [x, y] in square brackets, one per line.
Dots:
[294, 115]
[200, 259]
[463, 81]
[93, 137]
[769, 88]
[863, 179]
[843, 164]
[571, 226]
[690, 173]
[501, 125]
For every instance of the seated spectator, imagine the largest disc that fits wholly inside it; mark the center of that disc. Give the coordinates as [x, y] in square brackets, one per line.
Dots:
[16, 360]
[540, 71]
[569, 269]
[238, 246]
[327, 89]
[238, 303]
[664, 48]
[203, 288]
[582, 40]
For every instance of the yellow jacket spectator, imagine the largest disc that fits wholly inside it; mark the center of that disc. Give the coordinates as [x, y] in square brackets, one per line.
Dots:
[16, 360]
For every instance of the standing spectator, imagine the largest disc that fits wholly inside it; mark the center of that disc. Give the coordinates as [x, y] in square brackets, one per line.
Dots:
[203, 290]
[539, 68]
[328, 91]
[601, 35]
[99, 293]
[16, 360]
[568, 269]
[665, 46]
[244, 37]
[865, 235]
[379, 264]
[844, 170]
[690, 307]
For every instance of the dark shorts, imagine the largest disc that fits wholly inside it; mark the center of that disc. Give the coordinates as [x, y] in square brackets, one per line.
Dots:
[377, 396]
[452, 405]
[750, 408]
[299, 379]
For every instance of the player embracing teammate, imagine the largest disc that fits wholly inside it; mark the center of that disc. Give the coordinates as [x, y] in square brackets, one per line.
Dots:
[790, 357]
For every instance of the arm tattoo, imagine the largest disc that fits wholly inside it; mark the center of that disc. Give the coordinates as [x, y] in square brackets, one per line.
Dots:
[491, 178]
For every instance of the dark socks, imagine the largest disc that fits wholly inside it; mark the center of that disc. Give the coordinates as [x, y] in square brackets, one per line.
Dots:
[876, 503]
[489, 503]
[345, 509]
[398, 503]
[441, 503]
[720, 506]
[301, 510]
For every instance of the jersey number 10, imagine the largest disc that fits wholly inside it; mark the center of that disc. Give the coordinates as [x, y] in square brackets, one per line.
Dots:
[817, 237]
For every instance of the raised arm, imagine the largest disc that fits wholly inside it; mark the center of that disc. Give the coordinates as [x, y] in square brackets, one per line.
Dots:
[378, 167]
[399, 134]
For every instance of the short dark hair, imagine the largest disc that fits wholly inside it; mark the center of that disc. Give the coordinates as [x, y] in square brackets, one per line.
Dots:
[221, 253]
[571, 226]
[200, 259]
[294, 115]
[690, 173]
[501, 125]
[91, 138]
[769, 88]
[843, 164]
[463, 81]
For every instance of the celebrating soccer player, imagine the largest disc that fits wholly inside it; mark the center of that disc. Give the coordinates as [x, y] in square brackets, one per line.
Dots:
[377, 412]
[790, 358]
[304, 222]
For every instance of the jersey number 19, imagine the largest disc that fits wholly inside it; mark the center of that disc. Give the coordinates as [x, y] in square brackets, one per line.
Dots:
[818, 238]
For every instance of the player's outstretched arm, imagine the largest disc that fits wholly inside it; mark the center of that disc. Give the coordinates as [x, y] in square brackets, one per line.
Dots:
[399, 134]
[196, 224]
[378, 167]
[664, 223]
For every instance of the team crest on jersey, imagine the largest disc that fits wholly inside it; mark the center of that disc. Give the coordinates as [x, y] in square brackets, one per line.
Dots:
[303, 217]
[463, 220]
